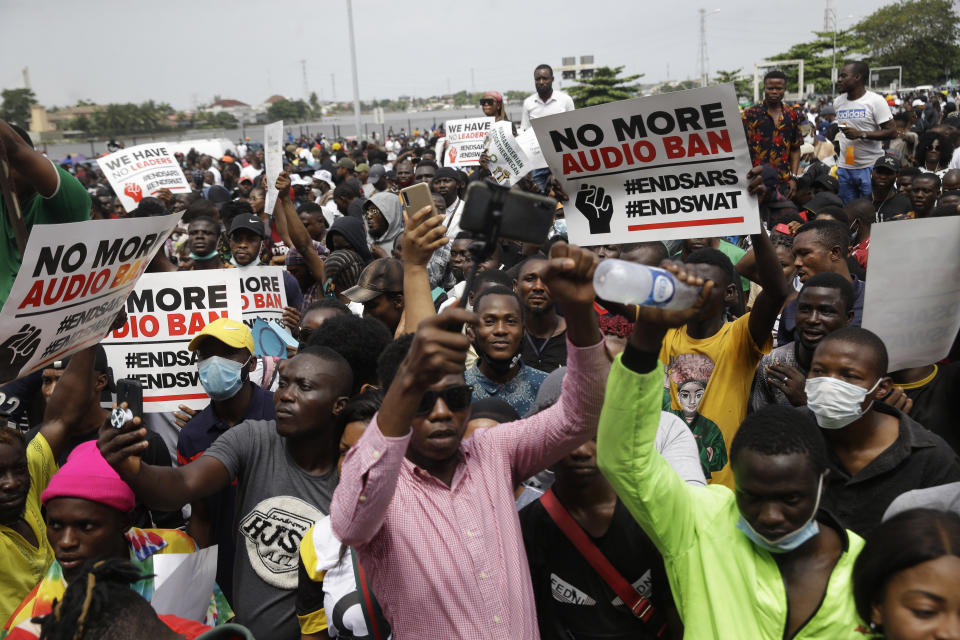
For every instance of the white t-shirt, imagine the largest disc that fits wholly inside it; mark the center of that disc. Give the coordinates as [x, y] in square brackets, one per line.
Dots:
[866, 113]
[534, 107]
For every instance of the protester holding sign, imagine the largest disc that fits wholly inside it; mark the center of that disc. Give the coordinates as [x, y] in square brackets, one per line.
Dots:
[44, 192]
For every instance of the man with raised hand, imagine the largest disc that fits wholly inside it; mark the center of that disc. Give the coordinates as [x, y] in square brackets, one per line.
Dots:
[431, 516]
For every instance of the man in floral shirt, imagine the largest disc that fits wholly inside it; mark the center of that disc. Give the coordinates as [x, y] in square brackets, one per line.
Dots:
[773, 131]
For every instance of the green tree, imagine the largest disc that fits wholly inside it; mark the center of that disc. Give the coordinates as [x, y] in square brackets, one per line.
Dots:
[513, 94]
[683, 85]
[16, 106]
[920, 35]
[818, 56]
[315, 109]
[741, 86]
[292, 110]
[606, 85]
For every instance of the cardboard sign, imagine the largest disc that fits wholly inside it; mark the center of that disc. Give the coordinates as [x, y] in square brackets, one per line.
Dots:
[531, 147]
[272, 161]
[464, 141]
[911, 301]
[271, 340]
[142, 171]
[263, 294]
[508, 163]
[164, 312]
[71, 284]
[665, 167]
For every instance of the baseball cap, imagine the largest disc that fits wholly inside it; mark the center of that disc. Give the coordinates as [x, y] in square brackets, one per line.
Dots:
[346, 163]
[248, 222]
[917, 103]
[823, 199]
[376, 172]
[363, 166]
[888, 163]
[218, 195]
[336, 146]
[380, 276]
[245, 179]
[229, 332]
[828, 181]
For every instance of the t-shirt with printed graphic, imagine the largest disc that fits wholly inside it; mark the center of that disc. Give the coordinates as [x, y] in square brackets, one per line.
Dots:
[709, 385]
[277, 502]
[866, 113]
[573, 601]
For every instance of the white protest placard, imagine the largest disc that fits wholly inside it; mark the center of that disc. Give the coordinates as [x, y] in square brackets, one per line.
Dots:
[911, 301]
[263, 294]
[664, 167]
[527, 140]
[183, 583]
[508, 163]
[142, 171]
[465, 141]
[72, 282]
[272, 161]
[164, 312]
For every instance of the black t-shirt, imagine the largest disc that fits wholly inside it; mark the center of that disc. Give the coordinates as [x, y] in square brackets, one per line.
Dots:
[933, 404]
[573, 601]
[895, 206]
[544, 354]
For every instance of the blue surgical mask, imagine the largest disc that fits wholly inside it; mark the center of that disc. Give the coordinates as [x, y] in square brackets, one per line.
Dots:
[210, 256]
[221, 377]
[790, 541]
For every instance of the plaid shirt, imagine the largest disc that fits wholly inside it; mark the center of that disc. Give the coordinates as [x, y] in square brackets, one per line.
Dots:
[771, 142]
[449, 562]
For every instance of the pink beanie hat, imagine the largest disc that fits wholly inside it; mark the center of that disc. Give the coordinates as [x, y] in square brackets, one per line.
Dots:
[88, 476]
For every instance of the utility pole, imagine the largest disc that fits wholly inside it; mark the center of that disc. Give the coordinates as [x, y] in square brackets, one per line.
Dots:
[353, 65]
[333, 88]
[306, 88]
[26, 77]
[703, 63]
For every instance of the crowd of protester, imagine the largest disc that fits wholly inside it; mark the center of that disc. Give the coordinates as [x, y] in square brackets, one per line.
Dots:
[529, 462]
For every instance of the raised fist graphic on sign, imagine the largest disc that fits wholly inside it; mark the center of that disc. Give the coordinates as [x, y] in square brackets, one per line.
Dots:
[452, 154]
[17, 350]
[596, 207]
[134, 191]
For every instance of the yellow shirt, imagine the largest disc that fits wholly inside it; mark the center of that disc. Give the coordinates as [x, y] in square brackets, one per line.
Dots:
[24, 564]
[709, 386]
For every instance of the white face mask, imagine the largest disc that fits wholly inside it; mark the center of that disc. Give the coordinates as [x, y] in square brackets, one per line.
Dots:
[836, 403]
[790, 541]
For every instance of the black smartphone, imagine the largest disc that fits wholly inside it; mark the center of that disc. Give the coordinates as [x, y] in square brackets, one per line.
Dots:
[130, 391]
[525, 217]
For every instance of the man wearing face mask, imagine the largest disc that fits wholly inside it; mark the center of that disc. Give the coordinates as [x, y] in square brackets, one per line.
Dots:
[224, 351]
[762, 557]
[875, 452]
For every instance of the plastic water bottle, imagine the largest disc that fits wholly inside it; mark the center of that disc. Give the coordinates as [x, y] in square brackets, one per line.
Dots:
[632, 283]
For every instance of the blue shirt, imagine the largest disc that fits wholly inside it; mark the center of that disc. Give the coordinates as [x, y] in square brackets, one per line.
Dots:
[520, 392]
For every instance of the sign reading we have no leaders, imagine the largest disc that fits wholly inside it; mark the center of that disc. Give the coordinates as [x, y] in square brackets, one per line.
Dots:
[663, 167]
[142, 171]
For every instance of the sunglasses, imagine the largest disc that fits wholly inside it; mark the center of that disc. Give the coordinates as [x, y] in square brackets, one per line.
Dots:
[457, 398]
[487, 101]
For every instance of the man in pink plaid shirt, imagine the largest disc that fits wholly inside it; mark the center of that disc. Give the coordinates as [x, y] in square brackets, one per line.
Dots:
[433, 519]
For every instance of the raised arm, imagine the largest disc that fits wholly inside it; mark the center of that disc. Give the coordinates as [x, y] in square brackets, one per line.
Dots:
[30, 165]
[653, 492]
[767, 306]
[423, 234]
[67, 408]
[293, 232]
[370, 471]
[161, 488]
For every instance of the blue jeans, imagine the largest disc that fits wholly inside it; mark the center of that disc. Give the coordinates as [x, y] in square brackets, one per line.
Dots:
[540, 176]
[854, 183]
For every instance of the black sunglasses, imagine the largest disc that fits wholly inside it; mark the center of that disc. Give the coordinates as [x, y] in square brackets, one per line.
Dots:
[487, 101]
[457, 398]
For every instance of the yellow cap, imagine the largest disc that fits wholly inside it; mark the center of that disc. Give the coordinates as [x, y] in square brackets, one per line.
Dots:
[229, 332]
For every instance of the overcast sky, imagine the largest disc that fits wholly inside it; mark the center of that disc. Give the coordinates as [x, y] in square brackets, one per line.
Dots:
[186, 51]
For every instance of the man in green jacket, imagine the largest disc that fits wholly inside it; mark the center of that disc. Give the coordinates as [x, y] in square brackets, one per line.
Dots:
[762, 563]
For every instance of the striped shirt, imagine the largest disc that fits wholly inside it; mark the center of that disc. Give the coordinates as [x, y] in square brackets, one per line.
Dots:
[449, 562]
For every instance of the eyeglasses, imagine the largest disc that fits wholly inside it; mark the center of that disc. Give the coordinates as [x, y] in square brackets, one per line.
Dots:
[486, 101]
[457, 398]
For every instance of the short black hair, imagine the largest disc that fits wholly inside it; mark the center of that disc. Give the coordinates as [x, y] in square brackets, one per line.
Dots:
[328, 303]
[206, 220]
[544, 66]
[866, 340]
[944, 211]
[714, 258]
[496, 290]
[928, 176]
[346, 190]
[904, 541]
[148, 207]
[22, 133]
[199, 208]
[313, 209]
[830, 280]
[909, 171]
[774, 74]
[830, 233]
[463, 235]
[333, 356]
[427, 163]
[860, 68]
[658, 247]
[778, 239]
[362, 408]
[492, 276]
[389, 361]
[358, 340]
[835, 212]
[778, 430]
[861, 209]
[233, 208]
